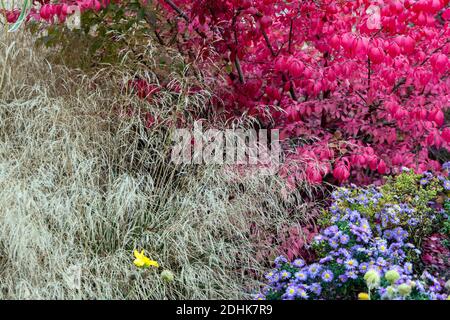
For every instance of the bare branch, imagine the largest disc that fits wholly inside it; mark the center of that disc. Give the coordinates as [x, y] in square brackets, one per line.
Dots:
[177, 9]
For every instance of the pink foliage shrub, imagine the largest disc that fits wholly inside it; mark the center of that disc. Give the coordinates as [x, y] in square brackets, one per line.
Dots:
[358, 88]
[368, 79]
[436, 255]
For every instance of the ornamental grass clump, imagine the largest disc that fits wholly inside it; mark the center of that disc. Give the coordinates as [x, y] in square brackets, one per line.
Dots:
[367, 247]
[84, 181]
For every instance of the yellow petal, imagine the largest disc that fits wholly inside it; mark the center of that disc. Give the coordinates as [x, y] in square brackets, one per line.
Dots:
[137, 254]
[153, 263]
[363, 296]
[150, 263]
[139, 263]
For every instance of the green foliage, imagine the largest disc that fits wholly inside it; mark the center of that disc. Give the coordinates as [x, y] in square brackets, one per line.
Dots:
[113, 35]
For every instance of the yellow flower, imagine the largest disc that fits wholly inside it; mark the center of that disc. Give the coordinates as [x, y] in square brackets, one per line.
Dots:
[143, 261]
[363, 296]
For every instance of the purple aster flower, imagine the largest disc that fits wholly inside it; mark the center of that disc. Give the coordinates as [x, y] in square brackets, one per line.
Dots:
[316, 288]
[325, 260]
[408, 268]
[388, 234]
[327, 276]
[351, 274]
[363, 199]
[446, 166]
[413, 222]
[273, 278]
[351, 263]
[428, 174]
[259, 296]
[354, 216]
[333, 243]
[381, 262]
[344, 239]
[334, 208]
[435, 288]
[271, 275]
[331, 231]
[319, 238]
[303, 294]
[344, 252]
[314, 269]
[279, 261]
[447, 185]
[285, 274]
[301, 275]
[298, 263]
[291, 292]
[364, 267]
[399, 234]
[364, 225]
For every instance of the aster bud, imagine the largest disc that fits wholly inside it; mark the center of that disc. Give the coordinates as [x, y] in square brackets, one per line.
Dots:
[167, 275]
[404, 289]
[392, 276]
[390, 292]
[372, 279]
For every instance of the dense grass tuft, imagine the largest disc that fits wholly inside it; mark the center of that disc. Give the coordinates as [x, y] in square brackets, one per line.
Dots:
[83, 183]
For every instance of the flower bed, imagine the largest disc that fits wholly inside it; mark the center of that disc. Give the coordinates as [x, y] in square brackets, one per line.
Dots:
[370, 245]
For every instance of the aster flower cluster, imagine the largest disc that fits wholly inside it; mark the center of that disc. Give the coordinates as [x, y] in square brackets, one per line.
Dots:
[411, 201]
[364, 245]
